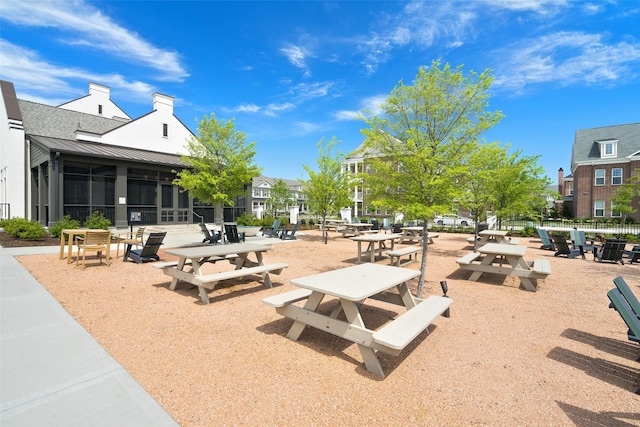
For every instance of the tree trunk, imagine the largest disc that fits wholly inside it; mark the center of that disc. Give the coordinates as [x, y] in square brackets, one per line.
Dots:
[423, 263]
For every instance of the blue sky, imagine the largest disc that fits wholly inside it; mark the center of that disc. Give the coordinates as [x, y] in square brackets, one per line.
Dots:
[291, 73]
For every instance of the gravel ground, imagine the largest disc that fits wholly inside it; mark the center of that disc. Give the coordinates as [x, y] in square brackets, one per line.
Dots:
[505, 357]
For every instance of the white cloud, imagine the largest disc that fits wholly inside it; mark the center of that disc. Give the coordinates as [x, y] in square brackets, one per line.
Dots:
[565, 58]
[84, 25]
[247, 108]
[369, 106]
[297, 56]
[30, 73]
[542, 7]
[274, 109]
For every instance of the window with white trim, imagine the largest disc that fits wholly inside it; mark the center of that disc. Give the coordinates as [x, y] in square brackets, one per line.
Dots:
[608, 148]
[615, 213]
[598, 208]
[600, 177]
[571, 190]
[616, 176]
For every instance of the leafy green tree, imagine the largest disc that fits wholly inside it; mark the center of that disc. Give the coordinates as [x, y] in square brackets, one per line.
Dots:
[622, 200]
[327, 189]
[279, 197]
[419, 146]
[220, 163]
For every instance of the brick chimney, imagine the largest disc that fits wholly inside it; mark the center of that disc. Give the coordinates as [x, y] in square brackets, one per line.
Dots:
[560, 179]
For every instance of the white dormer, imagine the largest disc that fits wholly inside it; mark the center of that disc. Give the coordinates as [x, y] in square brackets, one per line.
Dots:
[608, 148]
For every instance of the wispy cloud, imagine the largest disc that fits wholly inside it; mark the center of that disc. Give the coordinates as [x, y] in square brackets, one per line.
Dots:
[370, 106]
[297, 56]
[83, 25]
[27, 70]
[565, 58]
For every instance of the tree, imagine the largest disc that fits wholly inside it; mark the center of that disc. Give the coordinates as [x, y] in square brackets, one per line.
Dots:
[418, 148]
[279, 197]
[621, 200]
[220, 163]
[327, 190]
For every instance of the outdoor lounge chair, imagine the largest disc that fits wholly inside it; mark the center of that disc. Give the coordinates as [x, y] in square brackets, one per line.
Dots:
[563, 248]
[580, 240]
[209, 237]
[149, 251]
[129, 239]
[274, 231]
[547, 243]
[290, 234]
[633, 254]
[628, 294]
[611, 251]
[231, 233]
[620, 304]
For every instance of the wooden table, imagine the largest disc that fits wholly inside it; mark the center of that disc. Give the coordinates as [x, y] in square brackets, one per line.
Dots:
[195, 257]
[356, 228]
[352, 286]
[495, 254]
[70, 233]
[372, 239]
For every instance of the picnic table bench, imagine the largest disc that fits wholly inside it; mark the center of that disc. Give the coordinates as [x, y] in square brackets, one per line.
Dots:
[395, 256]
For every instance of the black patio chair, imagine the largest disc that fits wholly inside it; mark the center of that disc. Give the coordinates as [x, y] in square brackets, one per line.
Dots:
[148, 252]
[231, 233]
[209, 237]
[563, 248]
[611, 251]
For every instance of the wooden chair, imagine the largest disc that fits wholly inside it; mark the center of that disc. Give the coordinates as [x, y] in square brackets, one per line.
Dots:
[129, 239]
[149, 251]
[98, 241]
[611, 251]
[231, 233]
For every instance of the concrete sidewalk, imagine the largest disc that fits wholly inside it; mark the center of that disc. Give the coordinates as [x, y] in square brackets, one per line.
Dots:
[52, 372]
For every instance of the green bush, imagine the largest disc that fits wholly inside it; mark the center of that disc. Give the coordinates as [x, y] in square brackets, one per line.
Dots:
[63, 223]
[247, 220]
[97, 221]
[24, 229]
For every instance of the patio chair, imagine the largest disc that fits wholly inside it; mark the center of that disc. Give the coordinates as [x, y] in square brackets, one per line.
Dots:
[231, 233]
[580, 240]
[290, 234]
[633, 254]
[149, 251]
[547, 243]
[129, 239]
[98, 241]
[611, 251]
[620, 304]
[628, 294]
[562, 246]
[274, 231]
[209, 237]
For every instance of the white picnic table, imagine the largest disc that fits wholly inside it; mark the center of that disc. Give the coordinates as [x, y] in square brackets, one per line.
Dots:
[189, 266]
[371, 240]
[414, 234]
[352, 286]
[493, 261]
[356, 228]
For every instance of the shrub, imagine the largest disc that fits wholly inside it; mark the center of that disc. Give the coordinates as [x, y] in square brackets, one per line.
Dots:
[24, 229]
[97, 221]
[247, 220]
[63, 223]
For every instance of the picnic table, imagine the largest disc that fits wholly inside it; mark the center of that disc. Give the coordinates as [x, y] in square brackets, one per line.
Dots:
[493, 236]
[355, 229]
[371, 240]
[492, 257]
[414, 234]
[352, 286]
[193, 258]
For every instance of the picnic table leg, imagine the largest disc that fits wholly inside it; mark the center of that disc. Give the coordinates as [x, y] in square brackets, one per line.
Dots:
[359, 252]
[372, 250]
[62, 245]
[368, 354]
[522, 264]
[312, 304]
[488, 260]
[174, 281]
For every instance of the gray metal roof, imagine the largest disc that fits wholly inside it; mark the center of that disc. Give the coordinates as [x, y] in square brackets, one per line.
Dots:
[44, 120]
[107, 151]
[261, 178]
[586, 148]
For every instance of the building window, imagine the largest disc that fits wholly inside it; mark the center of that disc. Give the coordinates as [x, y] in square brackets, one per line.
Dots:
[598, 210]
[599, 176]
[100, 109]
[614, 212]
[608, 148]
[616, 176]
[165, 130]
[571, 190]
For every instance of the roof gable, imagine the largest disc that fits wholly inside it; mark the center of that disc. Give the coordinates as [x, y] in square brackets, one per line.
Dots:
[586, 146]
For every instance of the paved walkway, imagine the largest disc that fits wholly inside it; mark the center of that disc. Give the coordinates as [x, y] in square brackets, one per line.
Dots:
[52, 372]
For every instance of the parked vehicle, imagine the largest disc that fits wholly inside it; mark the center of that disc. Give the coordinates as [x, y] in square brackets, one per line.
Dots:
[453, 219]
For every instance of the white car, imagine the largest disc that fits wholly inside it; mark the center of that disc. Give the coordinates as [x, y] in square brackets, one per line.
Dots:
[453, 219]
